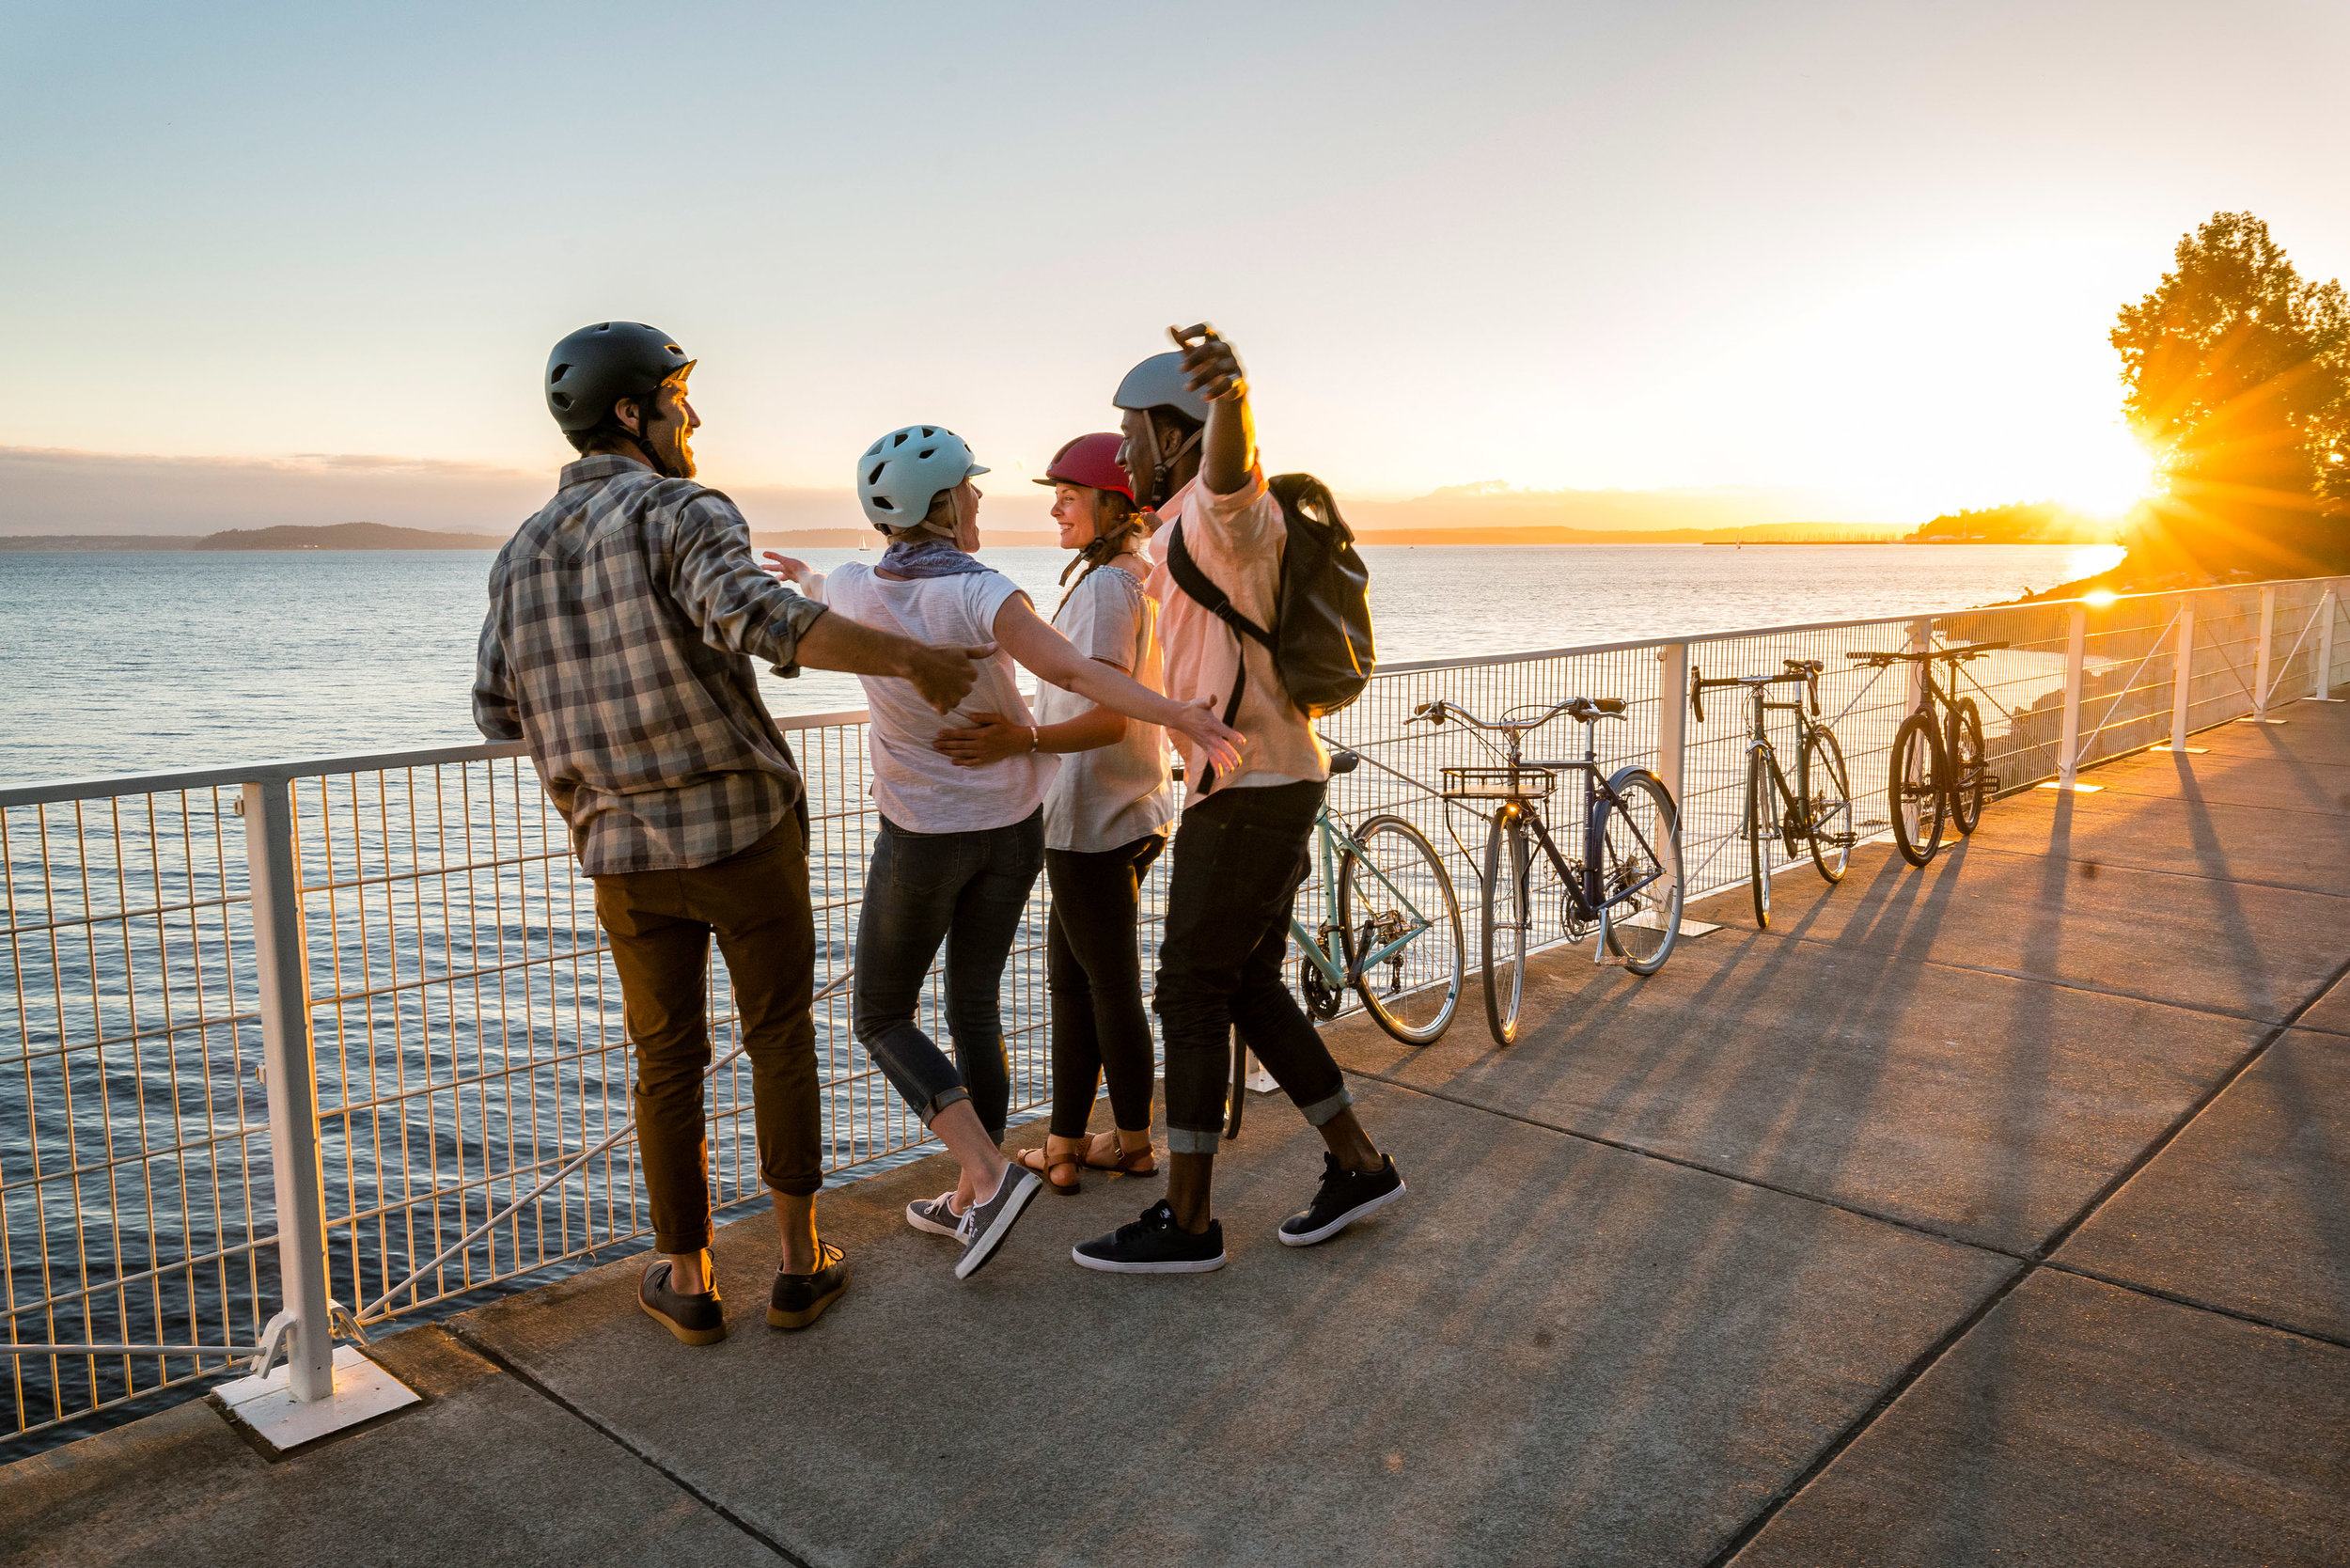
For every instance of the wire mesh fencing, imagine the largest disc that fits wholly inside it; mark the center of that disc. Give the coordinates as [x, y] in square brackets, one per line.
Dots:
[472, 1060]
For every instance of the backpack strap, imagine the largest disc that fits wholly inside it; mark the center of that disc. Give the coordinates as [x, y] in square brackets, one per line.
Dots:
[1202, 590]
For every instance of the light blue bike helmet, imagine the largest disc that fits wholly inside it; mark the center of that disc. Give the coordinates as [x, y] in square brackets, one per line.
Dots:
[903, 472]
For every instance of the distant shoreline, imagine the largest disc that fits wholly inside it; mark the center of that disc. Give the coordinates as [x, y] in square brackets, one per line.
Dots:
[378, 536]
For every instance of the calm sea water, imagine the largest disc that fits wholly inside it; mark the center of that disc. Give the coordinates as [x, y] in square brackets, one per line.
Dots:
[118, 664]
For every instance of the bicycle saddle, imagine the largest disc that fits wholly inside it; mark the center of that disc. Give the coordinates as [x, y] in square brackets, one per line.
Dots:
[1344, 761]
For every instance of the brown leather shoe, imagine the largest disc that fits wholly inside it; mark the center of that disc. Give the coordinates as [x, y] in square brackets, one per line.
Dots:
[696, 1319]
[800, 1299]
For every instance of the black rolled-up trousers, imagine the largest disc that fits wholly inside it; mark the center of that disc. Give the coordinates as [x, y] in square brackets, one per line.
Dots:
[1240, 856]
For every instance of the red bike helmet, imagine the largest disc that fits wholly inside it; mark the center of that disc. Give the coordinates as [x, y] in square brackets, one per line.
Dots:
[1090, 459]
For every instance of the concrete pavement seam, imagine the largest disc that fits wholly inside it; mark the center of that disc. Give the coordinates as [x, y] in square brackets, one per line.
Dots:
[2186, 1118]
[2175, 1299]
[1859, 1424]
[1699, 1165]
[497, 1357]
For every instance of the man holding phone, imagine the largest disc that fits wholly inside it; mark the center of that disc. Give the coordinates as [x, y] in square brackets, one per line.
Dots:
[1242, 847]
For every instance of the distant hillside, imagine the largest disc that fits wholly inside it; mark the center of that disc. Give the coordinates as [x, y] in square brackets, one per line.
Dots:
[343, 536]
[2019, 522]
[85, 543]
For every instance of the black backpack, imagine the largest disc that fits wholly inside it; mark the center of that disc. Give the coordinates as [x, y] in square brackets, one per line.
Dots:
[1321, 636]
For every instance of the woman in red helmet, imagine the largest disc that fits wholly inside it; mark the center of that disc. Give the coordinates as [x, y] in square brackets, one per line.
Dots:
[1105, 820]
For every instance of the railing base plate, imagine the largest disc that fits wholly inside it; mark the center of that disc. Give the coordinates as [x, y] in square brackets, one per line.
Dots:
[2181, 750]
[2250, 720]
[2073, 789]
[2322, 699]
[363, 1392]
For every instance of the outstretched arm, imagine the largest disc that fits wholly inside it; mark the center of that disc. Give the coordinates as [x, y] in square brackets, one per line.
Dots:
[942, 675]
[1227, 451]
[1027, 638]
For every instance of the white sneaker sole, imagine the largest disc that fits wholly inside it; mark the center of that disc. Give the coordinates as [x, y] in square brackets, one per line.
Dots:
[929, 1227]
[983, 1245]
[1361, 1211]
[1106, 1265]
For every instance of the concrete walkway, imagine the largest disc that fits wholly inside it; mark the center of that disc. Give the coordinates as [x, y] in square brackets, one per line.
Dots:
[1989, 1214]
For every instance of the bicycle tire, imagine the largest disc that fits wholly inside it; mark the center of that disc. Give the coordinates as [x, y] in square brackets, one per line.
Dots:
[1410, 1008]
[1913, 786]
[1507, 916]
[1760, 801]
[1963, 746]
[1825, 786]
[1643, 931]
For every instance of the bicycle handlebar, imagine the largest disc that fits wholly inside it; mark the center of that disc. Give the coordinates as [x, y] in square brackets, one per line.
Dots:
[1956, 655]
[1804, 670]
[1583, 710]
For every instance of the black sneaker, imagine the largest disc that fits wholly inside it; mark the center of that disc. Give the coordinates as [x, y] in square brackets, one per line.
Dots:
[800, 1299]
[986, 1225]
[1155, 1244]
[936, 1215]
[696, 1319]
[1346, 1196]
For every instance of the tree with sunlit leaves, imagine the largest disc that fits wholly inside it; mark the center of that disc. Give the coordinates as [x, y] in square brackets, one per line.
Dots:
[2238, 378]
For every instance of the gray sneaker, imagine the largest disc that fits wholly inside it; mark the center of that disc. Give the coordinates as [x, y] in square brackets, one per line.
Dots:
[936, 1215]
[986, 1225]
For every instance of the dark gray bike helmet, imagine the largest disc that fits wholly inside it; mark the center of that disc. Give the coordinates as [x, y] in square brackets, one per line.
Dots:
[598, 366]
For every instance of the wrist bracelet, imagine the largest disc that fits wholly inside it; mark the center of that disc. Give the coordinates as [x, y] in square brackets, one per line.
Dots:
[1036, 742]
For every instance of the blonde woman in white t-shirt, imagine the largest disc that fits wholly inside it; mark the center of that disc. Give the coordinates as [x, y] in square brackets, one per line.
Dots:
[1107, 818]
[957, 849]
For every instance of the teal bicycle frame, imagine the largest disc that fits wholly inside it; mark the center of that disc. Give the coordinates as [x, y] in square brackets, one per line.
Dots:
[1327, 834]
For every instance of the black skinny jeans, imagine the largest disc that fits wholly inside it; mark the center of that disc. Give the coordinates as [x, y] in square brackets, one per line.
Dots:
[1240, 857]
[1100, 1029]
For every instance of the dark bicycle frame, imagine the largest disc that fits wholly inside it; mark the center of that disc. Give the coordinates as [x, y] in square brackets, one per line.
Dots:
[1586, 890]
[1796, 815]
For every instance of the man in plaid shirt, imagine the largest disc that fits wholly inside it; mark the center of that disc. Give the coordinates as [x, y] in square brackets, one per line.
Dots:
[623, 620]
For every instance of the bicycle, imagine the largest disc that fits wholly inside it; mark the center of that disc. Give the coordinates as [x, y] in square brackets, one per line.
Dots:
[1936, 770]
[1396, 940]
[1628, 879]
[1818, 811]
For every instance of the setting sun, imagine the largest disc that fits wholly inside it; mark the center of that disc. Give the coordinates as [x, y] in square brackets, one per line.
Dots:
[2107, 476]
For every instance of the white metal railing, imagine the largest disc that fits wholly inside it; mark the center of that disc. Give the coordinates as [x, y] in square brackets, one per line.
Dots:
[342, 1030]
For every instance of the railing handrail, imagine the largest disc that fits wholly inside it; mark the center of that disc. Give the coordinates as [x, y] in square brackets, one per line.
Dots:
[280, 769]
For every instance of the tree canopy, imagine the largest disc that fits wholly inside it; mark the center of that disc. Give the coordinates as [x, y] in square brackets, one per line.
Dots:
[2237, 375]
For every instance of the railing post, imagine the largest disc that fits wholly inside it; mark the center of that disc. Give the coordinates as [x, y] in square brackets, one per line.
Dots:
[2259, 668]
[1921, 641]
[2068, 758]
[1672, 716]
[291, 1075]
[2328, 608]
[2182, 679]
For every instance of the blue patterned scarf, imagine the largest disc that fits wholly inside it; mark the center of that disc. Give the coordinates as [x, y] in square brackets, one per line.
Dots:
[927, 556]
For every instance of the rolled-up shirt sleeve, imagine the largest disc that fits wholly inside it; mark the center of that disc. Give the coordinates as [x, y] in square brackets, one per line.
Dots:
[1249, 519]
[738, 608]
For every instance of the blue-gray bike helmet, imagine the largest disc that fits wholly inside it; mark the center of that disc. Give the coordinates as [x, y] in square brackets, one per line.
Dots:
[903, 472]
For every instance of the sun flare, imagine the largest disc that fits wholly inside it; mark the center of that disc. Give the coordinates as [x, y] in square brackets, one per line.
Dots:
[2106, 477]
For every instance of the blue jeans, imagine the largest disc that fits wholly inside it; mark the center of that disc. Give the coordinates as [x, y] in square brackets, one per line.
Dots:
[966, 890]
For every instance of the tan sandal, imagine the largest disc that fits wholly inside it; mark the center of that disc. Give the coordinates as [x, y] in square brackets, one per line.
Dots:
[1070, 1157]
[1124, 1161]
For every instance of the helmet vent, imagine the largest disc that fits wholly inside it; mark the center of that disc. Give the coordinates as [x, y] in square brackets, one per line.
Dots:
[560, 371]
[874, 478]
[899, 439]
[926, 451]
[885, 503]
[560, 399]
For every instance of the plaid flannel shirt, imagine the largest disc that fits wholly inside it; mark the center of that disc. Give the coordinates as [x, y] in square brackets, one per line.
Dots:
[623, 622]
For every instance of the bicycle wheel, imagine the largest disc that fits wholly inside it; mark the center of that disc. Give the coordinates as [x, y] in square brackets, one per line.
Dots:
[1826, 792]
[1762, 832]
[1392, 887]
[1640, 875]
[1971, 785]
[1913, 782]
[1505, 920]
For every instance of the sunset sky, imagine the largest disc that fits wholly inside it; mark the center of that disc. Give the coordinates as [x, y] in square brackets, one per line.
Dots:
[1867, 251]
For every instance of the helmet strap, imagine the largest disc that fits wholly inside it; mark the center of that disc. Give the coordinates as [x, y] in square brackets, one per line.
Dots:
[1163, 468]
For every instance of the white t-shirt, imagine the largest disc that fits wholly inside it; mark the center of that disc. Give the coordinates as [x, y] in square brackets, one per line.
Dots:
[1110, 796]
[917, 787]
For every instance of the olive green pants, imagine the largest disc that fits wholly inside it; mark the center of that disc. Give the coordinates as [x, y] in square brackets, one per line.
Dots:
[660, 924]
